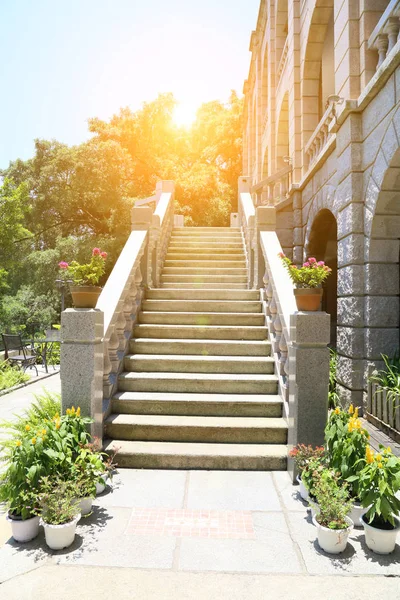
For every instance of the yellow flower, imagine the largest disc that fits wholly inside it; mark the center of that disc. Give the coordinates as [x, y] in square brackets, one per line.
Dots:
[33, 440]
[356, 413]
[387, 450]
[369, 455]
[380, 465]
[351, 409]
[44, 432]
[58, 425]
[378, 457]
[73, 410]
[27, 428]
[18, 443]
[68, 411]
[78, 411]
[337, 411]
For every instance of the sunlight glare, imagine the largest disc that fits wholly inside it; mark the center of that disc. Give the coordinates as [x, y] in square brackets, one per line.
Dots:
[185, 114]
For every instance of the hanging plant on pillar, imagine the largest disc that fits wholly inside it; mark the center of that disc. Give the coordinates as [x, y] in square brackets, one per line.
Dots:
[84, 289]
[308, 281]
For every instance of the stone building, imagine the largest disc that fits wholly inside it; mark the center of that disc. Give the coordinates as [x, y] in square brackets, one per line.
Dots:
[321, 144]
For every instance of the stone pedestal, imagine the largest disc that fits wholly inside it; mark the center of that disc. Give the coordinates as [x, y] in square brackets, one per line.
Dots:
[308, 379]
[81, 366]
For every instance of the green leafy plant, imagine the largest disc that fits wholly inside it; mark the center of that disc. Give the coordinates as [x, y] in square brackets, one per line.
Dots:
[311, 275]
[312, 473]
[333, 397]
[333, 500]
[11, 376]
[84, 274]
[302, 455]
[379, 482]
[389, 377]
[58, 500]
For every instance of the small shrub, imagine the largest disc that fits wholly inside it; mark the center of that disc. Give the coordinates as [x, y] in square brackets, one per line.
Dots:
[11, 376]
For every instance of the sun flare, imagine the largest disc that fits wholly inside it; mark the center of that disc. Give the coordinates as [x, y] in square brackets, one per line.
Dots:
[185, 114]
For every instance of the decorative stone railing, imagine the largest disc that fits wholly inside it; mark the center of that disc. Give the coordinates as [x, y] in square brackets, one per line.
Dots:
[247, 219]
[386, 33]
[383, 410]
[299, 340]
[320, 137]
[275, 188]
[282, 60]
[95, 341]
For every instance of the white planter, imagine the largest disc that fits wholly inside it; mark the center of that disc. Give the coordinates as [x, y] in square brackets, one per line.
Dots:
[303, 490]
[100, 487]
[24, 530]
[333, 541]
[357, 511]
[85, 505]
[314, 508]
[60, 536]
[381, 541]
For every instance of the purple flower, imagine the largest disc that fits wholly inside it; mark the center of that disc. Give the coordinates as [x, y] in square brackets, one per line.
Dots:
[306, 264]
[321, 263]
[96, 251]
[63, 265]
[312, 260]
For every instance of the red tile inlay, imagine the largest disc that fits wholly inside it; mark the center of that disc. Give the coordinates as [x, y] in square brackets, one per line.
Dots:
[191, 523]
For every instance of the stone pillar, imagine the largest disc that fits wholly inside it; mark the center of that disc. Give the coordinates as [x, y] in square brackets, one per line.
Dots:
[308, 379]
[265, 221]
[141, 218]
[82, 363]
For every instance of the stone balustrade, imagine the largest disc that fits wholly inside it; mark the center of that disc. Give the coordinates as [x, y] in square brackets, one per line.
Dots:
[387, 32]
[247, 217]
[283, 59]
[321, 135]
[95, 341]
[274, 189]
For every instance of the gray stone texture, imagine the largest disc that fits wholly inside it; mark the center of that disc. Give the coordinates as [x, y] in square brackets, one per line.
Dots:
[351, 250]
[350, 372]
[381, 311]
[350, 220]
[350, 281]
[350, 311]
[381, 280]
[380, 341]
[381, 251]
[350, 341]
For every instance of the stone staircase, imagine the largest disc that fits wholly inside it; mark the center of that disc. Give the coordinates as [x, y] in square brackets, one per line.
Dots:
[199, 389]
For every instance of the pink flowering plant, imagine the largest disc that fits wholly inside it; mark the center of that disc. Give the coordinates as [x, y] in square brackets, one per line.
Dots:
[86, 274]
[310, 275]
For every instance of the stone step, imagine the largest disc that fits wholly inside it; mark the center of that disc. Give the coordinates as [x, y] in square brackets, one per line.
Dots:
[226, 405]
[209, 318]
[182, 245]
[227, 280]
[176, 455]
[203, 286]
[203, 294]
[200, 347]
[204, 429]
[203, 271]
[215, 263]
[227, 235]
[205, 256]
[201, 250]
[194, 230]
[200, 332]
[180, 363]
[207, 383]
[201, 306]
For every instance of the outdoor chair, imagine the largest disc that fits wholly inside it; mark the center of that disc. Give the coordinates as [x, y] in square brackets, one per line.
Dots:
[25, 356]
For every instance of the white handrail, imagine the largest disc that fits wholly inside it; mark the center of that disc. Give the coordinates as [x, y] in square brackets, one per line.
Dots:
[249, 210]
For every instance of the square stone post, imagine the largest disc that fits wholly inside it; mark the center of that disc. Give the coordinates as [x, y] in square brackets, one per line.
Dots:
[141, 218]
[81, 366]
[265, 221]
[308, 379]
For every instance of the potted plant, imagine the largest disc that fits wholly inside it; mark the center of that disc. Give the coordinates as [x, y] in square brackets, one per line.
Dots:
[311, 475]
[308, 281]
[332, 521]
[85, 277]
[379, 483]
[346, 442]
[60, 512]
[301, 455]
[23, 514]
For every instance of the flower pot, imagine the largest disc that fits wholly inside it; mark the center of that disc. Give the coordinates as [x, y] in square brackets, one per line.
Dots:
[100, 486]
[357, 511]
[85, 296]
[60, 536]
[303, 490]
[333, 541]
[381, 541]
[314, 506]
[308, 299]
[24, 530]
[85, 505]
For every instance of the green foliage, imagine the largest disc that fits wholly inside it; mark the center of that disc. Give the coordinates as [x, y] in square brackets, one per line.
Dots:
[25, 311]
[57, 500]
[311, 275]
[85, 274]
[333, 397]
[389, 377]
[302, 455]
[379, 483]
[312, 472]
[333, 500]
[10, 376]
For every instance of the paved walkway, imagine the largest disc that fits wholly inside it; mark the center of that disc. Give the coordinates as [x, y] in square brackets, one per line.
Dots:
[182, 523]
[15, 402]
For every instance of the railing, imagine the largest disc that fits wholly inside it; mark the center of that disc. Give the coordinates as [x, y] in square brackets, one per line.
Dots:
[102, 335]
[386, 33]
[282, 61]
[276, 187]
[383, 410]
[321, 135]
[247, 216]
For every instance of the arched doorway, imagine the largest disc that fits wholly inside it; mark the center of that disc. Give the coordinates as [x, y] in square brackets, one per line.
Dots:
[323, 245]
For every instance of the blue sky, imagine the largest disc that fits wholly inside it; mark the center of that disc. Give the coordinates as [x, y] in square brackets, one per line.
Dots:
[63, 62]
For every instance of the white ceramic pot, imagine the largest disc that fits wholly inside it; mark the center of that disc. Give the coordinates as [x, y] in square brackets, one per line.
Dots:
[60, 536]
[357, 511]
[303, 490]
[100, 487]
[381, 541]
[85, 505]
[24, 530]
[333, 541]
[314, 506]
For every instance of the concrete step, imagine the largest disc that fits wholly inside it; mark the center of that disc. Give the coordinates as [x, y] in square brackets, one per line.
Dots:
[207, 235]
[175, 455]
[209, 318]
[200, 347]
[202, 286]
[201, 250]
[207, 383]
[227, 280]
[201, 306]
[180, 363]
[205, 429]
[227, 405]
[217, 230]
[182, 245]
[200, 332]
[205, 256]
[240, 271]
[215, 263]
[204, 294]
